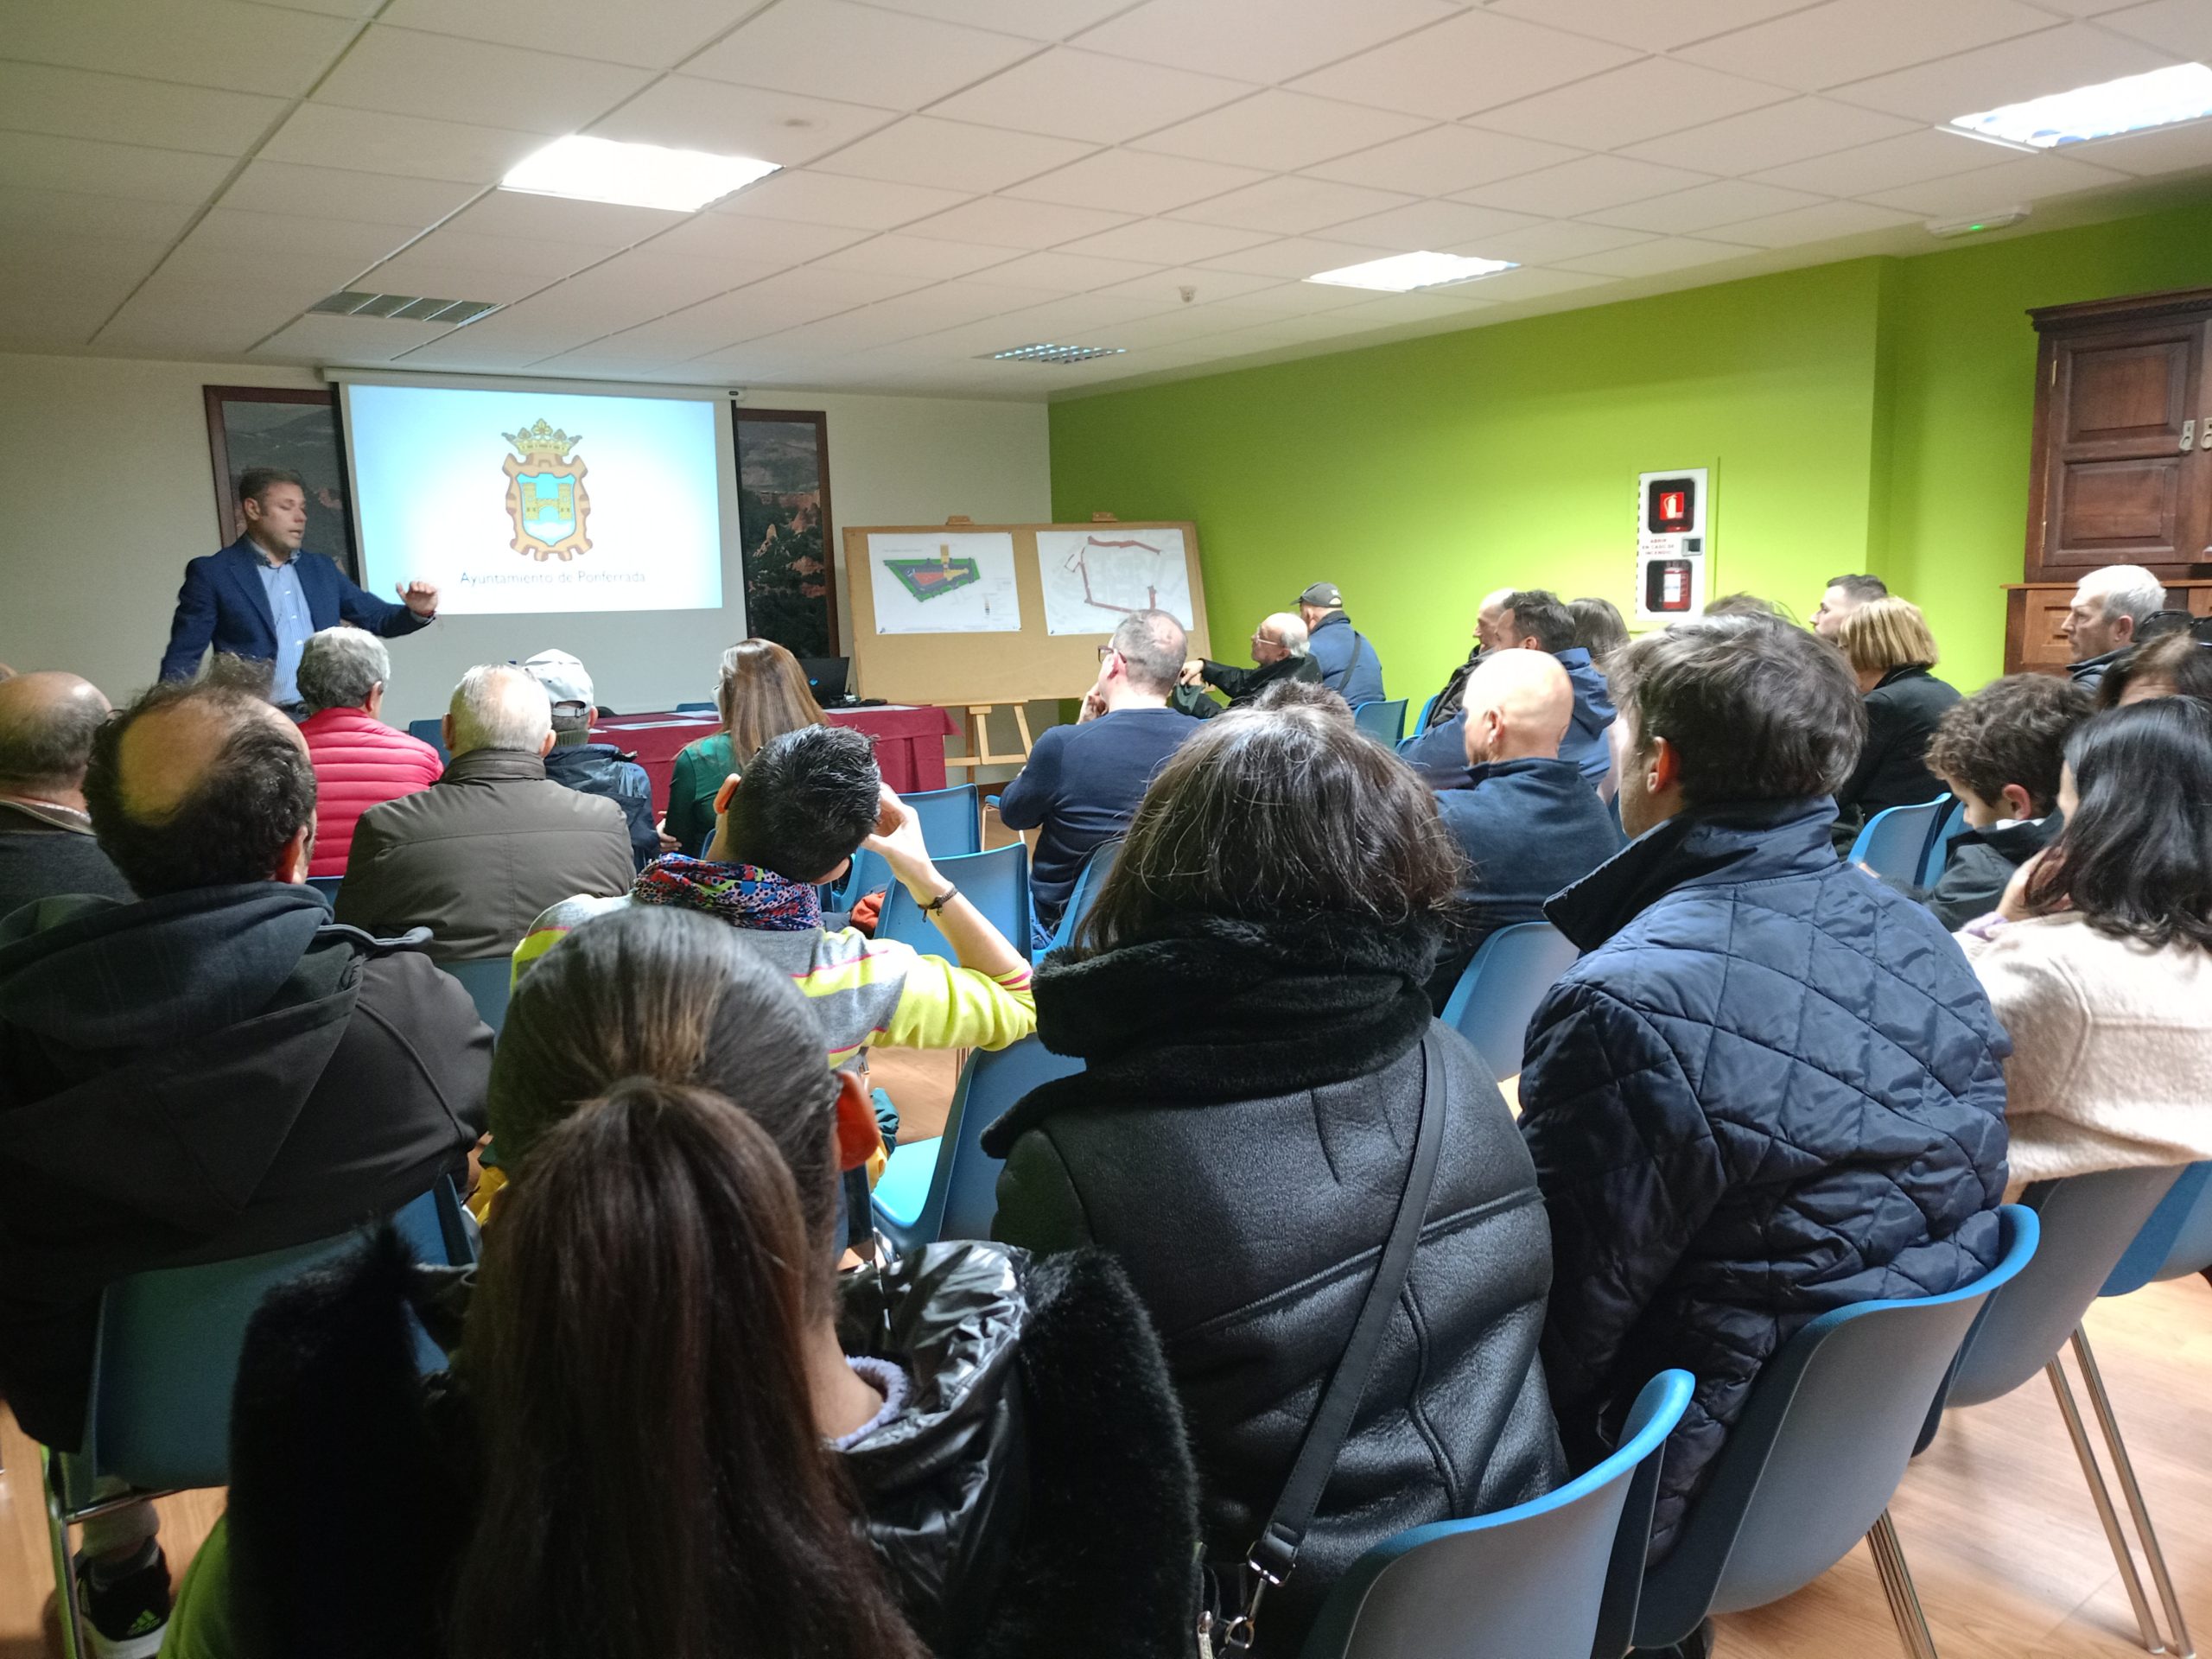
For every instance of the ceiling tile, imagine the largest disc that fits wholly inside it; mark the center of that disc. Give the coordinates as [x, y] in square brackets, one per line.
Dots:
[561, 218]
[687, 113]
[513, 264]
[1655, 256]
[1190, 322]
[1560, 239]
[128, 172]
[827, 199]
[1430, 225]
[2030, 179]
[1848, 40]
[1639, 23]
[318, 253]
[331, 193]
[1259, 40]
[470, 350]
[1886, 164]
[1822, 224]
[1290, 206]
[33, 221]
[920, 256]
[1293, 258]
[2171, 150]
[80, 103]
[832, 49]
[1165, 242]
[1701, 208]
[636, 287]
[615, 358]
[922, 149]
[654, 37]
[1474, 62]
[2081, 8]
[1135, 181]
[1624, 105]
[1073, 94]
[1295, 298]
[2181, 27]
[2074, 54]
[948, 305]
[244, 49]
[1281, 131]
[1509, 286]
[1061, 273]
[321, 135]
[1442, 160]
[1208, 287]
[1773, 136]
[400, 72]
[1002, 222]
[345, 340]
[718, 237]
[1036, 20]
[1582, 187]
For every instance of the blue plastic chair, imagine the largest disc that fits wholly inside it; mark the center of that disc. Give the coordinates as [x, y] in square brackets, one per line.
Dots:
[1810, 1467]
[2088, 1224]
[949, 1187]
[1421, 724]
[952, 823]
[1950, 824]
[695, 707]
[996, 883]
[1497, 995]
[328, 886]
[2176, 1242]
[1556, 1578]
[433, 733]
[488, 981]
[1097, 864]
[1383, 721]
[1894, 843]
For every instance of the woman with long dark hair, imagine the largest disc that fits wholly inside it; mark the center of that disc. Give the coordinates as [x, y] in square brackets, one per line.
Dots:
[760, 692]
[2099, 959]
[671, 1431]
[1249, 996]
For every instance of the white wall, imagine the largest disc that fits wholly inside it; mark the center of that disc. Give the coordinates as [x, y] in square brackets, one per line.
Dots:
[105, 491]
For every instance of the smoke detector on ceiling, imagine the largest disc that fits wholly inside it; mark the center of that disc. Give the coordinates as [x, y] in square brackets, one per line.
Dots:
[1978, 222]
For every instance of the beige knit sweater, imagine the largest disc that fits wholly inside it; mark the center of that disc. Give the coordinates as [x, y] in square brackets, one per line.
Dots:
[2112, 1045]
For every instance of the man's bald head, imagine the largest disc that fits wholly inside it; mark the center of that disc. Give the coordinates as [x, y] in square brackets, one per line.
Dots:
[201, 785]
[1518, 705]
[47, 724]
[1279, 636]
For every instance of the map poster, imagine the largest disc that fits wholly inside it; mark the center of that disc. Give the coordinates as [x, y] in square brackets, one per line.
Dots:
[944, 581]
[1093, 578]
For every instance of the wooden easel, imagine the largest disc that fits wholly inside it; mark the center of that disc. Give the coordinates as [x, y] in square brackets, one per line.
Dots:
[979, 744]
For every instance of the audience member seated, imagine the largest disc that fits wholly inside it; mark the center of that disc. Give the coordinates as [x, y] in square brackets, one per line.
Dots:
[48, 722]
[1281, 649]
[1249, 996]
[211, 1072]
[1600, 627]
[1528, 619]
[1772, 1087]
[1346, 657]
[760, 693]
[2108, 605]
[592, 768]
[1082, 783]
[1446, 703]
[1999, 753]
[682, 1432]
[494, 841]
[2098, 957]
[359, 762]
[1742, 604]
[1840, 597]
[1889, 647]
[1529, 823]
[810, 800]
[2175, 665]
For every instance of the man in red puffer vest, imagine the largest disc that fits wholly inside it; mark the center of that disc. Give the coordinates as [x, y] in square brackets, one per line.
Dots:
[359, 761]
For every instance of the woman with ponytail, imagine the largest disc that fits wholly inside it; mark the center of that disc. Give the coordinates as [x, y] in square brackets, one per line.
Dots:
[670, 1430]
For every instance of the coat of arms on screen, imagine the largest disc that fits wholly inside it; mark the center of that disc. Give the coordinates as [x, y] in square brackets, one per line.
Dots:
[545, 493]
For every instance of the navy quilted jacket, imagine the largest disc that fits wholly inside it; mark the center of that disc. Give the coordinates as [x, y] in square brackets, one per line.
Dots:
[1772, 1087]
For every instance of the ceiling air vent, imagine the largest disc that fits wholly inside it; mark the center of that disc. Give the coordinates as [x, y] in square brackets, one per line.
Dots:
[407, 308]
[1048, 353]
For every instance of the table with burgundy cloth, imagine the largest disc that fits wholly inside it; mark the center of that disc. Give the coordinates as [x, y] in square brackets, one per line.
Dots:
[909, 742]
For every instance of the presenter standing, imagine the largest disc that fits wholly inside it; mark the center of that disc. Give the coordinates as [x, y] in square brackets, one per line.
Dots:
[261, 597]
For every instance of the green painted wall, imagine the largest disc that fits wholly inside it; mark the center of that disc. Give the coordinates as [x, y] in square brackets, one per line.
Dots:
[1868, 415]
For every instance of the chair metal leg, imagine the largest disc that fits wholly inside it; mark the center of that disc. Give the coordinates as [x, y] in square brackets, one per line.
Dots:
[1896, 1585]
[65, 1568]
[2100, 1403]
[2103, 1498]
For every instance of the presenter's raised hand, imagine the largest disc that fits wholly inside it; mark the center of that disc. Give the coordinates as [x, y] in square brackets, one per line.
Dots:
[419, 597]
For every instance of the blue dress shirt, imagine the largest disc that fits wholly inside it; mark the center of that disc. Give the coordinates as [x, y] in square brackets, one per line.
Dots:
[289, 606]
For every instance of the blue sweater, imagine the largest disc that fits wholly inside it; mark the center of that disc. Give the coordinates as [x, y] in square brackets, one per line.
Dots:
[1349, 664]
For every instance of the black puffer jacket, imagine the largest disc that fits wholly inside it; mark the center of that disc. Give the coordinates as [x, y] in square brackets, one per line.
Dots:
[1034, 1496]
[1239, 1140]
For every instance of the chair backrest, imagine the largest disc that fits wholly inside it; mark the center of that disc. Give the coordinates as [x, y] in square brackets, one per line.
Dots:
[2177, 1239]
[964, 1194]
[2088, 1222]
[1420, 725]
[1386, 720]
[1894, 843]
[327, 886]
[1097, 864]
[488, 981]
[167, 1352]
[1817, 1454]
[996, 883]
[432, 732]
[1536, 1581]
[1497, 995]
[695, 707]
[1950, 823]
[952, 823]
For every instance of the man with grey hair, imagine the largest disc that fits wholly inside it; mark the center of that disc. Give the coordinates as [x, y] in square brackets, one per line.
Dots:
[2109, 604]
[476, 857]
[1282, 651]
[47, 724]
[359, 762]
[1083, 782]
[594, 768]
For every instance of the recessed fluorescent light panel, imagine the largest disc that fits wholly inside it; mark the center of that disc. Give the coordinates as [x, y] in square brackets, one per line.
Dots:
[2132, 104]
[637, 175]
[1046, 351]
[1403, 272]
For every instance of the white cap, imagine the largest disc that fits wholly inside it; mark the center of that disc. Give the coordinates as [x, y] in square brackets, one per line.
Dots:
[563, 677]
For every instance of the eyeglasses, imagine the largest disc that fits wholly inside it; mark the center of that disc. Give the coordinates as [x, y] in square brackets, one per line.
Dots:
[1105, 651]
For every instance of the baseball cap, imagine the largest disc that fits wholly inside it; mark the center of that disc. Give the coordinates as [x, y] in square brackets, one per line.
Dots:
[563, 677]
[1322, 593]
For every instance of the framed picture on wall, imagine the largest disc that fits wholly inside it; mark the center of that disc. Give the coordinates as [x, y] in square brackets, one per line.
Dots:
[297, 431]
[783, 511]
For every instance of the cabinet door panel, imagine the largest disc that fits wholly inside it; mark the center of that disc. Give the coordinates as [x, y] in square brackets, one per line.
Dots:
[2116, 512]
[2120, 479]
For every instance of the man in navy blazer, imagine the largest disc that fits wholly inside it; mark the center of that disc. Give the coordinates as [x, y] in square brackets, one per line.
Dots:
[261, 597]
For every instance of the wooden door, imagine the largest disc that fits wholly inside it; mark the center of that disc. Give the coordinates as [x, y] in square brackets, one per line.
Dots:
[2119, 474]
